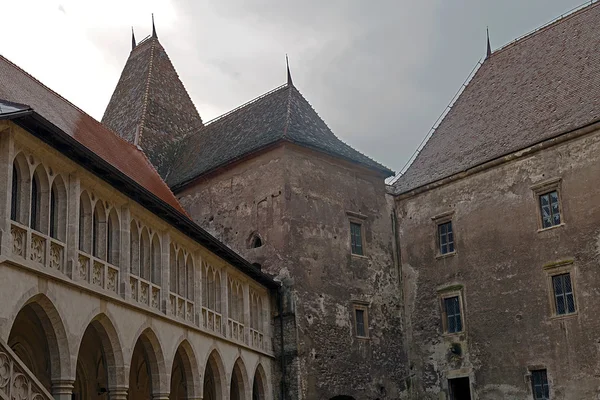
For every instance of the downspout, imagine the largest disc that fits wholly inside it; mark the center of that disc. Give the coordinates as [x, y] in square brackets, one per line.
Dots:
[280, 306]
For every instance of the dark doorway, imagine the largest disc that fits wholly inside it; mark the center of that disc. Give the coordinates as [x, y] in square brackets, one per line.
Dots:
[460, 389]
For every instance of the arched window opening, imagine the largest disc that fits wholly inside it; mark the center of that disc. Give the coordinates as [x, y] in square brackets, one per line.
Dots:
[15, 199]
[217, 285]
[134, 249]
[145, 255]
[113, 238]
[35, 203]
[99, 232]
[211, 288]
[181, 273]
[172, 270]
[85, 223]
[155, 258]
[39, 207]
[255, 241]
[58, 210]
[189, 277]
[260, 316]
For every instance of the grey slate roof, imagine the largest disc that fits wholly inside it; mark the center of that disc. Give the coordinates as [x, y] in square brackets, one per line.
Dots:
[282, 114]
[150, 106]
[543, 85]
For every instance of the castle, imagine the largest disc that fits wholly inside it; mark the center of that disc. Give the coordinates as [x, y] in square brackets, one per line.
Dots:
[154, 255]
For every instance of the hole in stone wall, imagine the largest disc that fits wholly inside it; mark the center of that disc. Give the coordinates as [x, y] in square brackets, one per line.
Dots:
[255, 241]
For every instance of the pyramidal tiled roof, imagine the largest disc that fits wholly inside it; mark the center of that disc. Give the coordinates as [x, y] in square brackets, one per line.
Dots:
[280, 115]
[150, 106]
[18, 86]
[543, 85]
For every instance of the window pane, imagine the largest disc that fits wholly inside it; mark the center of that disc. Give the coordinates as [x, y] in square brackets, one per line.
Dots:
[360, 322]
[453, 317]
[446, 237]
[356, 238]
[539, 383]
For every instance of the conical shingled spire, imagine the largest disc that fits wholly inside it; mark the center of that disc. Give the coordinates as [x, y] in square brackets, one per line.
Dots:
[133, 44]
[154, 35]
[289, 74]
[489, 48]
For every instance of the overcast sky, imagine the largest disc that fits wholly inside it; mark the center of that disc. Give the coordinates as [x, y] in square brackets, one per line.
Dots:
[378, 72]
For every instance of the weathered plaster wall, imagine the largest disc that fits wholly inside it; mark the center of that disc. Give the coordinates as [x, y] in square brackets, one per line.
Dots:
[297, 200]
[500, 258]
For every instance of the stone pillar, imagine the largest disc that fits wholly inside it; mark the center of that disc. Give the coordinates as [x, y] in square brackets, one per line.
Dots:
[225, 301]
[125, 250]
[246, 317]
[166, 273]
[62, 389]
[118, 393]
[198, 287]
[73, 194]
[160, 396]
[6, 156]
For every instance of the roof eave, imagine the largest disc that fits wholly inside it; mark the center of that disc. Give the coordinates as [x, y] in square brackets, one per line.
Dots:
[49, 133]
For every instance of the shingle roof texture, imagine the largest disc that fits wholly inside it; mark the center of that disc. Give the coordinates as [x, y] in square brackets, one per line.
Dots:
[538, 87]
[18, 86]
[282, 114]
[151, 102]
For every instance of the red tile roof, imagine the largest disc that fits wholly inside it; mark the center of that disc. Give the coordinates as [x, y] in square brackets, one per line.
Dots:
[18, 86]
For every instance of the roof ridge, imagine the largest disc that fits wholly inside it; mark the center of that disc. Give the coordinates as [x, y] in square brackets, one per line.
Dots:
[580, 9]
[334, 135]
[289, 111]
[138, 135]
[245, 104]
[180, 80]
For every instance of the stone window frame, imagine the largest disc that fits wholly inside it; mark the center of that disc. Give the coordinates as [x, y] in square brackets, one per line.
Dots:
[437, 221]
[447, 292]
[542, 188]
[363, 306]
[528, 378]
[360, 219]
[560, 268]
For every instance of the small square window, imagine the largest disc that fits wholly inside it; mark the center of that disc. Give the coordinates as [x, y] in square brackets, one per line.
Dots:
[564, 299]
[453, 314]
[550, 209]
[361, 321]
[446, 237]
[539, 385]
[356, 238]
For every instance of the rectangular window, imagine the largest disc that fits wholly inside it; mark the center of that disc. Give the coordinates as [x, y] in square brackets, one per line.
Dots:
[539, 385]
[550, 209]
[446, 237]
[361, 320]
[563, 294]
[356, 238]
[453, 317]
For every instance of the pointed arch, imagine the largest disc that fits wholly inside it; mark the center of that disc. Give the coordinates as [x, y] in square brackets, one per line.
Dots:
[181, 273]
[214, 385]
[155, 258]
[113, 236]
[85, 222]
[184, 373]
[99, 231]
[58, 209]
[19, 211]
[39, 200]
[254, 241]
[260, 389]
[172, 269]
[39, 338]
[99, 357]
[145, 254]
[189, 277]
[134, 248]
[147, 361]
[239, 386]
